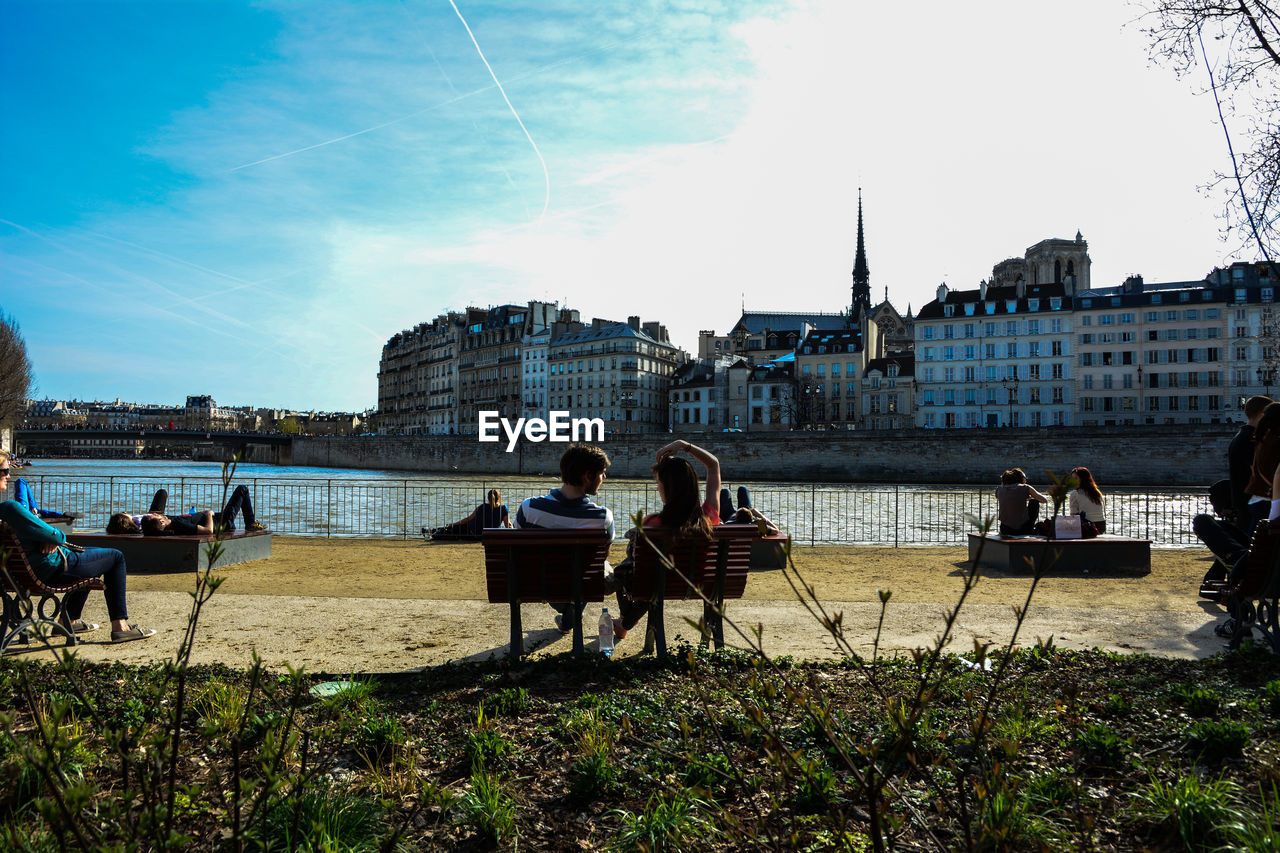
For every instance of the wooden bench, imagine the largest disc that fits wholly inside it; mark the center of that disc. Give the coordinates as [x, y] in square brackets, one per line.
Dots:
[1105, 554]
[179, 553]
[23, 614]
[524, 566]
[715, 570]
[770, 552]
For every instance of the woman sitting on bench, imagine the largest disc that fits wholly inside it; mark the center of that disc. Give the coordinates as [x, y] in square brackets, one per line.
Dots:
[685, 512]
[59, 564]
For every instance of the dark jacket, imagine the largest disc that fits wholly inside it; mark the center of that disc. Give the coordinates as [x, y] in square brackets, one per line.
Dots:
[1240, 467]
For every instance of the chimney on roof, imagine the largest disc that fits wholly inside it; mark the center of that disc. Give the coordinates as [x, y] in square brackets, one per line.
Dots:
[653, 329]
[942, 292]
[597, 324]
[634, 322]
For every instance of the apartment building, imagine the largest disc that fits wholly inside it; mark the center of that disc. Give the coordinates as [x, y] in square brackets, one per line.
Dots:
[1176, 352]
[887, 393]
[829, 365]
[1001, 354]
[620, 372]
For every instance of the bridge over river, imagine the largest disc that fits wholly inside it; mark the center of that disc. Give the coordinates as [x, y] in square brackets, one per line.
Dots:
[199, 445]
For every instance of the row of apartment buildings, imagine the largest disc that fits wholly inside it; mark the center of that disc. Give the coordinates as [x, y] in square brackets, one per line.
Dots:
[199, 413]
[1036, 344]
[524, 361]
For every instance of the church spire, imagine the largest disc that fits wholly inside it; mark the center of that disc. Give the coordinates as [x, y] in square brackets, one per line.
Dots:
[861, 272]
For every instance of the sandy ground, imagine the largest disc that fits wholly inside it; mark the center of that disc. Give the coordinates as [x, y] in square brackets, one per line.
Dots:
[343, 606]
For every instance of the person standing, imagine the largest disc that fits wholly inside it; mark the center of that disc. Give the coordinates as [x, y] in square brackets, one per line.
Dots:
[582, 473]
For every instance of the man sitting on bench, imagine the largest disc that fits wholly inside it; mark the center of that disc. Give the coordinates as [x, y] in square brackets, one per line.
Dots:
[582, 472]
[1019, 503]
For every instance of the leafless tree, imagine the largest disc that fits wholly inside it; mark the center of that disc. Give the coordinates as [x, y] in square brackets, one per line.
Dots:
[1235, 46]
[15, 373]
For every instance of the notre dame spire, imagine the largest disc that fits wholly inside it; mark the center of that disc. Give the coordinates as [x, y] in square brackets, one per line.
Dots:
[861, 274]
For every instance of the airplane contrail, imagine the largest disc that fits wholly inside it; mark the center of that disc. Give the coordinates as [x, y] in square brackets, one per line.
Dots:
[546, 201]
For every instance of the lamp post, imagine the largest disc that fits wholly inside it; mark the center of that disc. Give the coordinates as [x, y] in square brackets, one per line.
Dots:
[1266, 376]
[1011, 388]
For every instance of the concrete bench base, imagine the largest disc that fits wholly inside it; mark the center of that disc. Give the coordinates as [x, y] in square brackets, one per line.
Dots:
[769, 553]
[1102, 555]
[179, 553]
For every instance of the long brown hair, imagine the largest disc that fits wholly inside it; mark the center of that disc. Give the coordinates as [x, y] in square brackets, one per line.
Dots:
[1269, 422]
[1088, 485]
[682, 498]
[494, 497]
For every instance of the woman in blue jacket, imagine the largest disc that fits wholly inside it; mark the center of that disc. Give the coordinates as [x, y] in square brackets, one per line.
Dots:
[54, 562]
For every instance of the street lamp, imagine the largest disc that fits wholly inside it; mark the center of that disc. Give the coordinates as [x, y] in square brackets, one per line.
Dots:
[1011, 388]
[1266, 376]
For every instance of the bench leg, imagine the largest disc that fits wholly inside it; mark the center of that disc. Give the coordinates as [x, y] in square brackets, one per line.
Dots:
[1269, 621]
[714, 623]
[657, 629]
[517, 633]
[579, 645]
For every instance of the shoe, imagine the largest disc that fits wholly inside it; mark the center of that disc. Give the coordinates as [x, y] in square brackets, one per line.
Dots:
[426, 534]
[255, 527]
[619, 632]
[79, 626]
[1225, 629]
[563, 624]
[134, 633]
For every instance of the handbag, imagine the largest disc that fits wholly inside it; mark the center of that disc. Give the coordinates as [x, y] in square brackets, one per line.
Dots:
[1067, 527]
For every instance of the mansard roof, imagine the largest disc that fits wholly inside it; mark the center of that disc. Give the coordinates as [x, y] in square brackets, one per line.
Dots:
[906, 362]
[755, 322]
[840, 340]
[1000, 296]
[607, 331]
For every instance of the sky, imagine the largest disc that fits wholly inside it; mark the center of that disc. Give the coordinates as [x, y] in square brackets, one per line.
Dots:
[248, 199]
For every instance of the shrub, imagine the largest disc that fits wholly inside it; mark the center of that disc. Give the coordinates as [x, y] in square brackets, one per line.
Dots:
[1101, 745]
[1198, 701]
[488, 809]
[1213, 741]
[511, 702]
[1199, 812]
[668, 822]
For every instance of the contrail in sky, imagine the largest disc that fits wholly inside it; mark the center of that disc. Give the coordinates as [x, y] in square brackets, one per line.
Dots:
[546, 201]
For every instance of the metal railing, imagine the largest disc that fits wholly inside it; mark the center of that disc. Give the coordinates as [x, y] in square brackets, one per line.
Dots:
[814, 514]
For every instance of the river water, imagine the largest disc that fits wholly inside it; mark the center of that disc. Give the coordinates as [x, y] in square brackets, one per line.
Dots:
[351, 502]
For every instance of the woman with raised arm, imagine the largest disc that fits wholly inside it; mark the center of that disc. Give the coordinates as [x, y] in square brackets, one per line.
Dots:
[686, 511]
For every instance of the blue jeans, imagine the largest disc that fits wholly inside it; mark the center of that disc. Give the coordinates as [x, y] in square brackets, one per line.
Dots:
[106, 563]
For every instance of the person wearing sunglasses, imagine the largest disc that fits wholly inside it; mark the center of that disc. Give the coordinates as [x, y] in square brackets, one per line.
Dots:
[55, 562]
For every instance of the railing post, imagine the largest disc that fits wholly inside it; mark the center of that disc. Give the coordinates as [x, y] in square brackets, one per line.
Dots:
[328, 514]
[404, 512]
[897, 515]
[813, 513]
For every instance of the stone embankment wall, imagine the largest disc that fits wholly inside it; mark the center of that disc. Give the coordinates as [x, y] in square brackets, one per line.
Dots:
[1184, 455]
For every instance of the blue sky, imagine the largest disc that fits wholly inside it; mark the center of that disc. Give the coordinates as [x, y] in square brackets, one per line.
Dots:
[247, 200]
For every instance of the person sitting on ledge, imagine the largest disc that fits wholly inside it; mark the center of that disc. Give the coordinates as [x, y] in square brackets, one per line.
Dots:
[1087, 500]
[1019, 503]
[492, 513]
[745, 513]
[23, 494]
[203, 522]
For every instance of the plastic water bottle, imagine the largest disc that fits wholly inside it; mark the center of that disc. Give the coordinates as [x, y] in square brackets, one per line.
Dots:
[193, 510]
[606, 633]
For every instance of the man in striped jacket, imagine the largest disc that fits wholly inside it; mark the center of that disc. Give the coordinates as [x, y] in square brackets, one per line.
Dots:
[582, 472]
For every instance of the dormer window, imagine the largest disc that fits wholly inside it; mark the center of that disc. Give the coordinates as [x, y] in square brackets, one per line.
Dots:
[1184, 296]
[1011, 305]
[893, 370]
[1055, 303]
[991, 307]
[1155, 299]
[948, 310]
[968, 308]
[1033, 304]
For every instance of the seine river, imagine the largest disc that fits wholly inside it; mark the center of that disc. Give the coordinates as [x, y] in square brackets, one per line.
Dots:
[352, 502]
